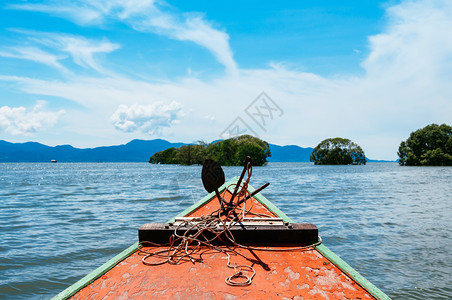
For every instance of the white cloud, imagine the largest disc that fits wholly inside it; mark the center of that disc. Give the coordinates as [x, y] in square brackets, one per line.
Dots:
[58, 47]
[405, 87]
[209, 117]
[192, 28]
[22, 121]
[409, 69]
[83, 50]
[89, 12]
[36, 55]
[416, 42]
[78, 12]
[144, 16]
[149, 119]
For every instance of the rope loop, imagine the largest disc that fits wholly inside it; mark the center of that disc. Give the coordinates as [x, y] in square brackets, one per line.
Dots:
[189, 246]
[239, 278]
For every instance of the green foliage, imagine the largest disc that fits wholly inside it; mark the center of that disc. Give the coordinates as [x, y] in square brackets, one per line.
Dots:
[190, 154]
[230, 152]
[164, 157]
[429, 146]
[338, 151]
[223, 152]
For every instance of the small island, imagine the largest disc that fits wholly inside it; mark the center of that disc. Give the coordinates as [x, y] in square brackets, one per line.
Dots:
[338, 151]
[230, 152]
[429, 146]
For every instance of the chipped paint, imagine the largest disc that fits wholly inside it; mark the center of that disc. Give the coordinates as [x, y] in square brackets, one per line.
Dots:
[295, 274]
[195, 281]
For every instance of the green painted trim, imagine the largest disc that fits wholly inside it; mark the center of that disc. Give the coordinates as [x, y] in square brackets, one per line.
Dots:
[271, 207]
[327, 253]
[91, 277]
[88, 279]
[352, 273]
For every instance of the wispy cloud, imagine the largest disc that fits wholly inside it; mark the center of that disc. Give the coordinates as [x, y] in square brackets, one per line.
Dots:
[191, 28]
[90, 12]
[53, 48]
[405, 86]
[36, 55]
[144, 16]
[82, 50]
[417, 41]
[409, 67]
[150, 119]
[79, 12]
[23, 121]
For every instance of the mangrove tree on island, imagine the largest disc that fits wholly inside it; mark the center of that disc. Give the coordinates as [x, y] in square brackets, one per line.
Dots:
[429, 146]
[230, 152]
[338, 151]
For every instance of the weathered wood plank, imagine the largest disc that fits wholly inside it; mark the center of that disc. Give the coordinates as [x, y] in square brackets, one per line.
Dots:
[299, 233]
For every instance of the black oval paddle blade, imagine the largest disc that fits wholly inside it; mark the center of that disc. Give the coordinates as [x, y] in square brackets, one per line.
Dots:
[212, 175]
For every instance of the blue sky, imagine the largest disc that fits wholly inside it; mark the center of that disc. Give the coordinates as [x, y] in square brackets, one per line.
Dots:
[92, 73]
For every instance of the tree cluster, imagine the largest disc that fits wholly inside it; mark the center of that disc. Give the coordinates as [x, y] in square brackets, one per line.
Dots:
[230, 152]
[338, 151]
[429, 146]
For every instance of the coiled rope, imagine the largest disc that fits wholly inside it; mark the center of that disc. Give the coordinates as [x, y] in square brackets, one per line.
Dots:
[188, 247]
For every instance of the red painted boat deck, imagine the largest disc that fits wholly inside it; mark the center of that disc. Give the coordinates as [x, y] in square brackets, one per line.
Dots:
[290, 274]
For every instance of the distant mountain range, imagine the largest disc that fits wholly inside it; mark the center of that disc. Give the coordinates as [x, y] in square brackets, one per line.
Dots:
[134, 151]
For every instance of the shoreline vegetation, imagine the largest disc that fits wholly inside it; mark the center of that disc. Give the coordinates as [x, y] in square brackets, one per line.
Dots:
[338, 151]
[230, 152]
[134, 151]
[428, 146]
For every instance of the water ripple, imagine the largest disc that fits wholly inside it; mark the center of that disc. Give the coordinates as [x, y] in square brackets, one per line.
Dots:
[58, 222]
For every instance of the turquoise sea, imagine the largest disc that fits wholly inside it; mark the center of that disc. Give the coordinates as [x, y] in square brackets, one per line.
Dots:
[60, 221]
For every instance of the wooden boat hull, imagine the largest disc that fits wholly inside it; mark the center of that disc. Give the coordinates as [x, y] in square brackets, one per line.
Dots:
[291, 271]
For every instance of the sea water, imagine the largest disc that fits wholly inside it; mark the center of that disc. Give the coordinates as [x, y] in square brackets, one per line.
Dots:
[58, 222]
